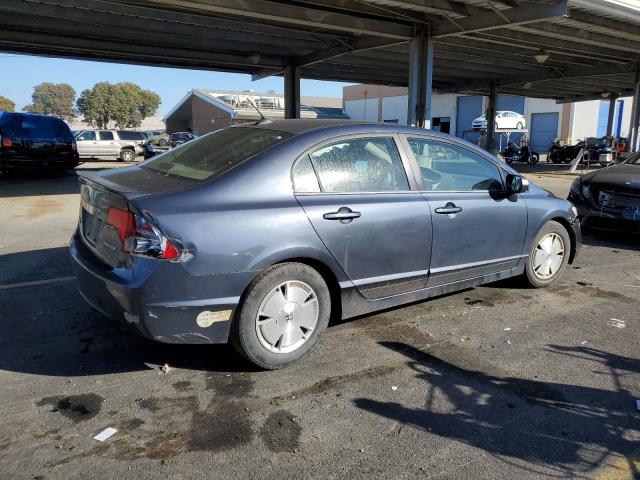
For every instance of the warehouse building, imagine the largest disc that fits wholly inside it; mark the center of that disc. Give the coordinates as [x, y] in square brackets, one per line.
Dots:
[454, 113]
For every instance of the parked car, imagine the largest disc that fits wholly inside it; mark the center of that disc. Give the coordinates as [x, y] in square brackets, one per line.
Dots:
[505, 120]
[258, 233]
[158, 137]
[178, 138]
[610, 198]
[29, 140]
[121, 144]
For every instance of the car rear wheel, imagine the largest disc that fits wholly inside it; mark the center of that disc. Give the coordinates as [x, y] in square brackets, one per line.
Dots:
[519, 126]
[282, 316]
[162, 142]
[549, 255]
[127, 155]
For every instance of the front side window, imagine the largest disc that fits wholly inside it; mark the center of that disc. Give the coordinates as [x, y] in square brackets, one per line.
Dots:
[106, 135]
[448, 167]
[87, 136]
[216, 152]
[370, 164]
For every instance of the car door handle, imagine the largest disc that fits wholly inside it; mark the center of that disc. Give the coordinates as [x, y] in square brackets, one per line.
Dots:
[448, 209]
[344, 214]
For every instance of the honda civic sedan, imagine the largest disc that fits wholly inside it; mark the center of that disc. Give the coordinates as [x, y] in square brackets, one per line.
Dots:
[258, 234]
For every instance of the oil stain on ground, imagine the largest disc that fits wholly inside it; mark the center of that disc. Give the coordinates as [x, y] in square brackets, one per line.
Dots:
[76, 407]
[281, 432]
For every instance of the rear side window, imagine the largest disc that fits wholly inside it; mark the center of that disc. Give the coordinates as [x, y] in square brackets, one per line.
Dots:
[369, 164]
[106, 135]
[216, 152]
[129, 135]
[16, 125]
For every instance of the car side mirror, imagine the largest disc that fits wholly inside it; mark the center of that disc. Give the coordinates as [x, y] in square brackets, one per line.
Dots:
[517, 184]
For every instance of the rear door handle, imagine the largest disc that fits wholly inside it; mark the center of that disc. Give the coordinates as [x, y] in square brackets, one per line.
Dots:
[344, 214]
[448, 209]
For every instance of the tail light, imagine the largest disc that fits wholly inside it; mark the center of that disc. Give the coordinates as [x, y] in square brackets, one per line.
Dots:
[7, 143]
[140, 237]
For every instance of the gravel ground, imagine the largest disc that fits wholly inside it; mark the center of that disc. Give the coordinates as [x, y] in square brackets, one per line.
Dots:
[493, 382]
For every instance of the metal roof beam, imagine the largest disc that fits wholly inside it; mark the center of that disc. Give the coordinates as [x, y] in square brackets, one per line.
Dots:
[517, 15]
[584, 98]
[614, 26]
[297, 16]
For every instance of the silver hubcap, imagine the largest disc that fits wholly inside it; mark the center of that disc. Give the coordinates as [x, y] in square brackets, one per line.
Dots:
[287, 317]
[548, 256]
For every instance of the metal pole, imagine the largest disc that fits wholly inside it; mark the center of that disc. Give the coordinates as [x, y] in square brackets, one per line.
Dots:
[612, 108]
[291, 91]
[635, 114]
[420, 80]
[491, 116]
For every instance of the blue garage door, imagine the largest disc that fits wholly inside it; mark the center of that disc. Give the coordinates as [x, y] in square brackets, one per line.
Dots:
[510, 102]
[544, 130]
[469, 108]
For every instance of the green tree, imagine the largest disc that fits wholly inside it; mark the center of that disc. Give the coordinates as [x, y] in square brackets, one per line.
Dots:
[6, 105]
[53, 99]
[123, 105]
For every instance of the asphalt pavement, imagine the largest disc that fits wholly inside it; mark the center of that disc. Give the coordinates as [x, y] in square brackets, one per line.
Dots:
[492, 382]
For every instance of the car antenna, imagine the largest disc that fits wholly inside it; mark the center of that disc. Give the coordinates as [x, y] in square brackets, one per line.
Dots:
[257, 109]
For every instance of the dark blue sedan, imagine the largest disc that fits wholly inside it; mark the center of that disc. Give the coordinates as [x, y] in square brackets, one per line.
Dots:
[259, 233]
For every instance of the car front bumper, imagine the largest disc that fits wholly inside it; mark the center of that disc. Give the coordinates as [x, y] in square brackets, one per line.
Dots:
[606, 218]
[158, 299]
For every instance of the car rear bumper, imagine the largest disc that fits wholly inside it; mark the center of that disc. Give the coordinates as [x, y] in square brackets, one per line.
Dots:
[40, 163]
[158, 299]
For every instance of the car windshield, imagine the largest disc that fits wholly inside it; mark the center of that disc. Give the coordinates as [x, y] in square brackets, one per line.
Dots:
[633, 159]
[215, 153]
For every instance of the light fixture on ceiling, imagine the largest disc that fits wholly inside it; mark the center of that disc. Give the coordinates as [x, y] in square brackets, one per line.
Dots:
[605, 94]
[542, 56]
[527, 86]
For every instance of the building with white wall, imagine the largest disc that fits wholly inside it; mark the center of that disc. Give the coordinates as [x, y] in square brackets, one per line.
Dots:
[452, 113]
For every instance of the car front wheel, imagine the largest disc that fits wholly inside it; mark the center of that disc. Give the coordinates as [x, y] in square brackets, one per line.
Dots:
[282, 316]
[548, 256]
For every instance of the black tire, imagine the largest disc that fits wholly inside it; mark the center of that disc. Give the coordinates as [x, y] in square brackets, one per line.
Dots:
[529, 276]
[244, 332]
[533, 158]
[163, 142]
[127, 155]
[495, 125]
[519, 126]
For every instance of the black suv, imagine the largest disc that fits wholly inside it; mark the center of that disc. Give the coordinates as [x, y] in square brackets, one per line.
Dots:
[29, 140]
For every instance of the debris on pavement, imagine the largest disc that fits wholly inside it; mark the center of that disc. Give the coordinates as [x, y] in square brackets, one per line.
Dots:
[394, 388]
[106, 433]
[165, 368]
[583, 342]
[615, 322]
[507, 329]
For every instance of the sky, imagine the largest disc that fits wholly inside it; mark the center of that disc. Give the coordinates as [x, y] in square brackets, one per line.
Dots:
[171, 84]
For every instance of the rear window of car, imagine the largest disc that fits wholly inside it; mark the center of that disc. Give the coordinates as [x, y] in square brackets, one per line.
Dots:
[16, 125]
[216, 152]
[129, 135]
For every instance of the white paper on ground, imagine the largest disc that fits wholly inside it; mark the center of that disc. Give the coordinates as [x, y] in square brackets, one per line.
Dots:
[106, 433]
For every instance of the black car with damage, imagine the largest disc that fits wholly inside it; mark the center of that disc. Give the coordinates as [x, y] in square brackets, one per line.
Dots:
[610, 198]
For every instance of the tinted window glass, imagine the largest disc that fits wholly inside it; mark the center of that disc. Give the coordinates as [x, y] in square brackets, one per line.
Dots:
[16, 125]
[87, 136]
[304, 177]
[448, 167]
[216, 152]
[129, 135]
[360, 165]
[106, 135]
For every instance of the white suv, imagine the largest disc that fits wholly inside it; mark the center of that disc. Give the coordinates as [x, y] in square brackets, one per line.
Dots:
[122, 144]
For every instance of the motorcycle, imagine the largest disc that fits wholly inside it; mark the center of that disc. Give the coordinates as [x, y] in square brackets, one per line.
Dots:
[594, 150]
[514, 153]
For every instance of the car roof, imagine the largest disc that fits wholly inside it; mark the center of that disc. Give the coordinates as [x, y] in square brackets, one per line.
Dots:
[338, 126]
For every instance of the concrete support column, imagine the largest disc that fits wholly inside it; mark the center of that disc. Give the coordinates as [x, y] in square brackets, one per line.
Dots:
[612, 109]
[420, 80]
[635, 115]
[490, 115]
[291, 92]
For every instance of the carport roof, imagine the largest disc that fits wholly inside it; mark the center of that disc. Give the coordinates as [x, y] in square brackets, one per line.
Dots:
[593, 46]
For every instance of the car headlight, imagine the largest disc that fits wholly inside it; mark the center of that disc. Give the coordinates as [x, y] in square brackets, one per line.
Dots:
[575, 187]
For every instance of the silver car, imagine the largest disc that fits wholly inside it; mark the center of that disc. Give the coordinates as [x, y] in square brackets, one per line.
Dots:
[124, 145]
